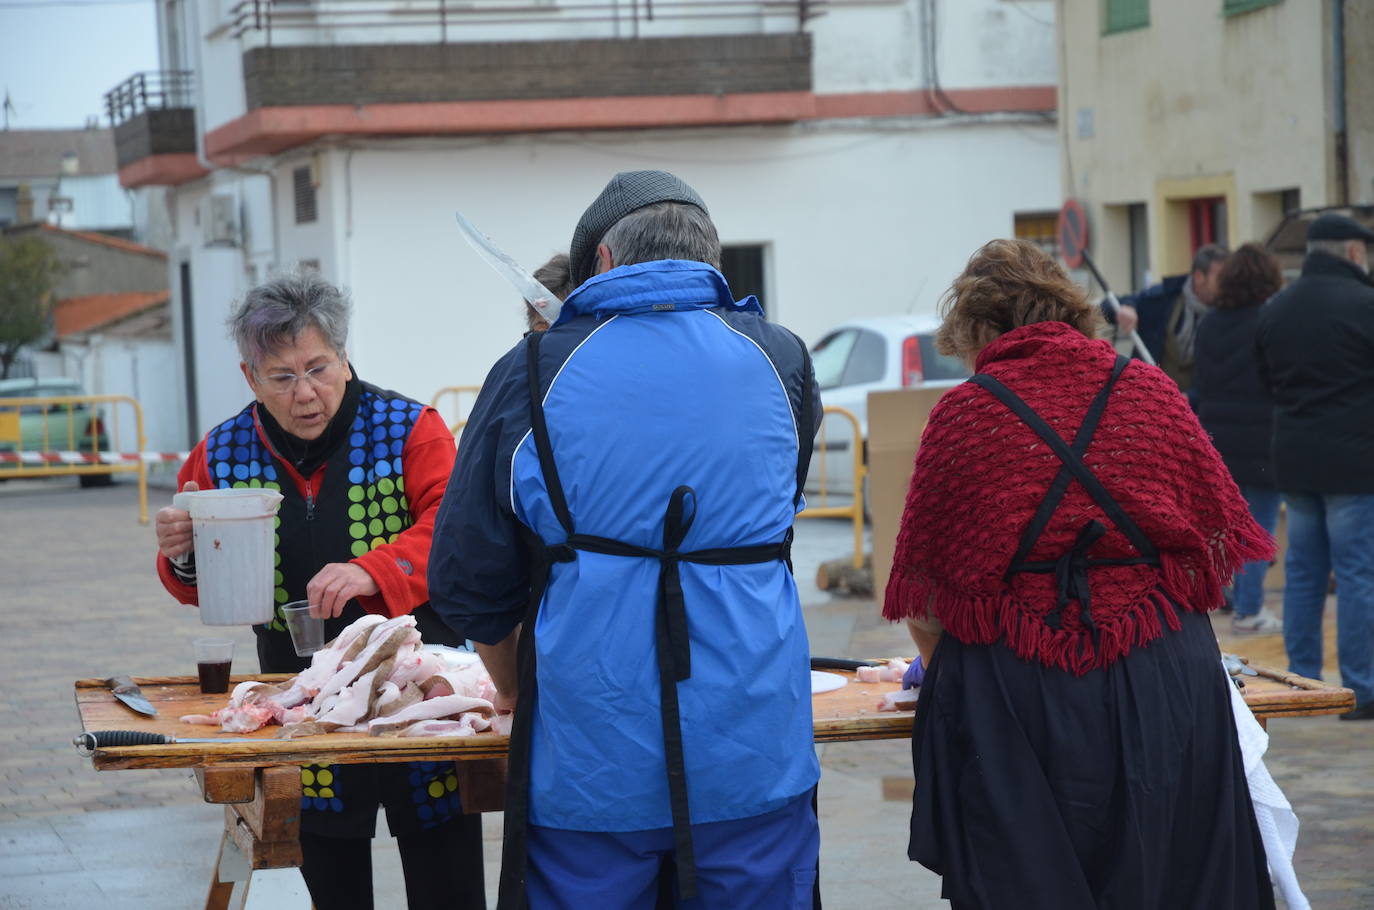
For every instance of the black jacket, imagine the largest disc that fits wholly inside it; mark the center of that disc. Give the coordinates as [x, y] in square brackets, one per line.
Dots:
[1316, 353]
[1153, 307]
[1232, 402]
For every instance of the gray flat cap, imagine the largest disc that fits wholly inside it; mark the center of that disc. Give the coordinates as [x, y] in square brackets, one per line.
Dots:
[627, 191]
[1338, 227]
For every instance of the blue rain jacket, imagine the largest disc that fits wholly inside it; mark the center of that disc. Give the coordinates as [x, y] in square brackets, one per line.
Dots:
[653, 378]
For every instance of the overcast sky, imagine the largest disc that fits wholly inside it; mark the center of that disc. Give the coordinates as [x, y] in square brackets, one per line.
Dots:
[60, 57]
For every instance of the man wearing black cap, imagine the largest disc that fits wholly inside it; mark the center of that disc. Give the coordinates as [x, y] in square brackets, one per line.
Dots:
[1316, 351]
[621, 513]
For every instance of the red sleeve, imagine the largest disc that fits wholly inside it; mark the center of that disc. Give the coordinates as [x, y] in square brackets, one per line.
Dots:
[196, 468]
[400, 567]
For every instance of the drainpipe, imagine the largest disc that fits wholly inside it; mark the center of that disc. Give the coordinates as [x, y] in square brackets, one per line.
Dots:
[1338, 102]
[201, 125]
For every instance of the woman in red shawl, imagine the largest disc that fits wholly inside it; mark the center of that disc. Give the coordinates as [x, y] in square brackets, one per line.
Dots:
[1067, 530]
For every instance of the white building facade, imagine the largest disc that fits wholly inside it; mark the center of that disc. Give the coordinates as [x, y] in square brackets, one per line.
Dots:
[852, 154]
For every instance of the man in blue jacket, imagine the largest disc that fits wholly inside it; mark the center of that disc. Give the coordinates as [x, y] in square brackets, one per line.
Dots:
[615, 537]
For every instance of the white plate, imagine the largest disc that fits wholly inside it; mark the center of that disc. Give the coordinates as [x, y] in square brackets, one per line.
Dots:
[826, 682]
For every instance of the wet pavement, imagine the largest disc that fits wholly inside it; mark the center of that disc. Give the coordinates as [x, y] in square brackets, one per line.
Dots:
[80, 599]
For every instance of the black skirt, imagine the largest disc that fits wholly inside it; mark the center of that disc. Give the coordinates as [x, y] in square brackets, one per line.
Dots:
[1123, 788]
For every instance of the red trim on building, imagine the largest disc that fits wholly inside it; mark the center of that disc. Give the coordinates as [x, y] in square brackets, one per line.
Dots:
[161, 170]
[269, 130]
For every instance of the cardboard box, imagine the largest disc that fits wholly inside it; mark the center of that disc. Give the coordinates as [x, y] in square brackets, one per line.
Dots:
[896, 420]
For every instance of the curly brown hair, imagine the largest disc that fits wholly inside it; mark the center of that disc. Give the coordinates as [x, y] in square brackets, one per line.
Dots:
[1250, 276]
[1008, 284]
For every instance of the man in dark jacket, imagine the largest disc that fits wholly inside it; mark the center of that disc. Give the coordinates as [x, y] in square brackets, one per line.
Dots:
[1167, 314]
[1316, 352]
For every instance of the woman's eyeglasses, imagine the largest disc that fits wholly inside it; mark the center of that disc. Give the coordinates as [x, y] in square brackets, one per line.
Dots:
[285, 383]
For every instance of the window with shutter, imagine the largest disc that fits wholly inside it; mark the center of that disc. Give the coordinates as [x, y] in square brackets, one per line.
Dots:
[1123, 15]
[304, 191]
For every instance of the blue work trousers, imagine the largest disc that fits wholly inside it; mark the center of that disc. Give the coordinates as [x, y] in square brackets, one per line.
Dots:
[766, 860]
[1325, 532]
[1249, 589]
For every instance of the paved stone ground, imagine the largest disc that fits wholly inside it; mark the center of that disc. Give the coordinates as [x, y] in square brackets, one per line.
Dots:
[80, 599]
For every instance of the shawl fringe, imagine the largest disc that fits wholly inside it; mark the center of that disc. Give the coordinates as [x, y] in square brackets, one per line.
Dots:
[986, 618]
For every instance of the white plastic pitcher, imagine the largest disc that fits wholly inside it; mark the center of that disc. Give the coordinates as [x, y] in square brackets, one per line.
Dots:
[234, 553]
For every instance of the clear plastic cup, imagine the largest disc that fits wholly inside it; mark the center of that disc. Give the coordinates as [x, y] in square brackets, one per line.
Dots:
[307, 632]
[214, 656]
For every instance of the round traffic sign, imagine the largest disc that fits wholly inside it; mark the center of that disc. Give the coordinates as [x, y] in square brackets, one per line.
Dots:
[1073, 233]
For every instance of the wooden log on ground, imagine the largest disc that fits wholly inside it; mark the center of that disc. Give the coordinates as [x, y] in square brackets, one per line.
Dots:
[840, 576]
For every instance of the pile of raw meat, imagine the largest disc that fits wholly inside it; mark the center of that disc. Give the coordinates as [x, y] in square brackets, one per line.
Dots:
[374, 679]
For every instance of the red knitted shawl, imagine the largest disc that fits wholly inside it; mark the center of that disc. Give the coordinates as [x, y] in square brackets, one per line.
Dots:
[980, 474]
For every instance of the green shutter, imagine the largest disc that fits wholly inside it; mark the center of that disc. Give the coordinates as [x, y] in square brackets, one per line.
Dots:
[1122, 15]
[1234, 7]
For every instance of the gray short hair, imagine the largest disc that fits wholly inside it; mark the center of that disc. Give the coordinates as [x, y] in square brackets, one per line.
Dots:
[274, 313]
[664, 230]
[1208, 255]
[1337, 248]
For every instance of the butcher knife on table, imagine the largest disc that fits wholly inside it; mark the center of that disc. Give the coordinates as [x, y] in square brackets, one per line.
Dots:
[126, 691]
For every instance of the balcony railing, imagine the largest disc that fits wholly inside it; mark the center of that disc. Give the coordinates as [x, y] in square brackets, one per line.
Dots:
[153, 90]
[447, 21]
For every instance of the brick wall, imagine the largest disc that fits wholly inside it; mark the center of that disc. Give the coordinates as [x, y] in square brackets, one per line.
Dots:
[155, 132]
[371, 74]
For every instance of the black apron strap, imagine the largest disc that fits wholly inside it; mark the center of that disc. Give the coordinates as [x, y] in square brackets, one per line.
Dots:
[1060, 486]
[511, 894]
[1071, 460]
[805, 430]
[542, 445]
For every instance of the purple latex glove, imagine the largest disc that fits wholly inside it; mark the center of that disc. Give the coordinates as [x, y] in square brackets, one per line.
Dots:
[914, 674]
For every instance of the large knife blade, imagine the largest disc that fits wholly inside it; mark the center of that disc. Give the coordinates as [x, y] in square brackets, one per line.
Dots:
[114, 739]
[840, 663]
[540, 299]
[126, 691]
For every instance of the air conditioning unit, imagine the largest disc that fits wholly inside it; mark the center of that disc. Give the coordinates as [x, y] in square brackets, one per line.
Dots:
[219, 220]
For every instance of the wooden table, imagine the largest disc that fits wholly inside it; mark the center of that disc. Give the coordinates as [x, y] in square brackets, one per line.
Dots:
[259, 781]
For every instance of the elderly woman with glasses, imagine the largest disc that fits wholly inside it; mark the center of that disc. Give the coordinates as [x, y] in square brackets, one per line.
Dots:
[361, 471]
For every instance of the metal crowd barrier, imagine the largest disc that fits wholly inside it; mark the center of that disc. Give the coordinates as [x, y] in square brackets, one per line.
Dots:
[61, 436]
[460, 413]
[855, 510]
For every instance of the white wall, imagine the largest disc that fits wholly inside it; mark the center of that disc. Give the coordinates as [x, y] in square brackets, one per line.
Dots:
[219, 276]
[140, 368]
[860, 222]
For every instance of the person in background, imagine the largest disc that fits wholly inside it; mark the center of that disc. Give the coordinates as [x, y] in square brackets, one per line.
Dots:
[621, 510]
[1167, 314]
[1067, 530]
[1315, 342]
[1237, 411]
[556, 275]
[341, 451]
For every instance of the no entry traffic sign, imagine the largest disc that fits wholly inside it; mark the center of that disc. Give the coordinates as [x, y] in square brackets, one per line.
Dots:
[1073, 233]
